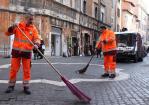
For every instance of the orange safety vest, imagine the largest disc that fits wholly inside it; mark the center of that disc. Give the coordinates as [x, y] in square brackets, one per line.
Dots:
[21, 43]
[110, 37]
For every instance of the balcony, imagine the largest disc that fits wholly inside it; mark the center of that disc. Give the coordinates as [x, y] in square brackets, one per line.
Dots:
[127, 6]
[132, 2]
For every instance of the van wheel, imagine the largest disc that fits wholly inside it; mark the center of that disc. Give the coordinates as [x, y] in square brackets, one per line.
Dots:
[135, 59]
[140, 59]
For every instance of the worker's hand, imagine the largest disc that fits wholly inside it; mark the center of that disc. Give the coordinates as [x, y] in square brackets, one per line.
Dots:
[11, 28]
[36, 46]
[105, 41]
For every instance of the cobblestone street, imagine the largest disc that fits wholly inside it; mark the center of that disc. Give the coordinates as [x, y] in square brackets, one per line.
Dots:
[130, 87]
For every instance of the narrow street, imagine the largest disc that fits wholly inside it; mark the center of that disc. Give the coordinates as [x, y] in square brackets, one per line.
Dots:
[130, 87]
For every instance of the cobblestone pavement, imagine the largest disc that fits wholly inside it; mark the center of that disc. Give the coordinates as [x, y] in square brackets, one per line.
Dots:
[133, 90]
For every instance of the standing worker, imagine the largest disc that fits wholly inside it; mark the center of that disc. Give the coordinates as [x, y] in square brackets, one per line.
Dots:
[21, 51]
[107, 41]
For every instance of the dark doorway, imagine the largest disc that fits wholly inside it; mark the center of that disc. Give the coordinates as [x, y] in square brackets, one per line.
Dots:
[87, 45]
[75, 46]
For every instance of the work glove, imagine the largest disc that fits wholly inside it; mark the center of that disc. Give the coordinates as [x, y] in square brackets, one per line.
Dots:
[105, 41]
[36, 45]
[11, 28]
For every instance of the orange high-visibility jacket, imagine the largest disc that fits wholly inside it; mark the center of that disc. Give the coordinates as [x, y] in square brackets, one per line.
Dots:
[110, 38]
[21, 43]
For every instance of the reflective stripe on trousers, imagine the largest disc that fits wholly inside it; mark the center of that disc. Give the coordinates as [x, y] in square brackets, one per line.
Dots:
[12, 82]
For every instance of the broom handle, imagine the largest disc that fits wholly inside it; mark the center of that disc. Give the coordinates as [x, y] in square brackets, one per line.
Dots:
[40, 52]
[90, 59]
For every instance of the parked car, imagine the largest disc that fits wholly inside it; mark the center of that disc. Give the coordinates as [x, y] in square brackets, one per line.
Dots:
[129, 46]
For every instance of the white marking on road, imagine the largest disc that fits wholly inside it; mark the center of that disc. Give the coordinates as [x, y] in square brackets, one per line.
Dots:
[4, 66]
[58, 63]
[120, 76]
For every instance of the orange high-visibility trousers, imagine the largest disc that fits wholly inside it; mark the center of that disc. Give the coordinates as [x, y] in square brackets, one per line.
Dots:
[109, 63]
[15, 65]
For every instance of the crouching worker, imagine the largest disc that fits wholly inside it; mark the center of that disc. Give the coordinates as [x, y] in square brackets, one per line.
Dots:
[107, 41]
[21, 51]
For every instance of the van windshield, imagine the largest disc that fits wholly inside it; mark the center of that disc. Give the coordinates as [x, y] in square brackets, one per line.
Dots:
[124, 40]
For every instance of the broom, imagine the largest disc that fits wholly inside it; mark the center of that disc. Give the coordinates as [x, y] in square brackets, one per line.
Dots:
[83, 70]
[78, 93]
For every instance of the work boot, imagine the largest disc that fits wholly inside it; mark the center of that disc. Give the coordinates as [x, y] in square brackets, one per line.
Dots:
[112, 75]
[27, 91]
[105, 75]
[10, 89]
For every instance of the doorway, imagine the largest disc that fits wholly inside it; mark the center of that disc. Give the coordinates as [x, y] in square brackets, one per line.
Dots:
[55, 45]
[75, 46]
[86, 44]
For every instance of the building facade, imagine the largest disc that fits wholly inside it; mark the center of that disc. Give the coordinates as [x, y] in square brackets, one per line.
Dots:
[66, 26]
[148, 29]
[129, 16]
[135, 17]
[142, 20]
[118, 15]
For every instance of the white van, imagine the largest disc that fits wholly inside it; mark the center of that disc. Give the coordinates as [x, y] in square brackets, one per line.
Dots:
[129, 46]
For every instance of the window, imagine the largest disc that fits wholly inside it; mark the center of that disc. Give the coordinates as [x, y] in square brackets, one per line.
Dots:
[113, 3]
[102, 17]
[48, 4]
[28, 3]
[96, 13]
[61, 1]
[112, 20]
[67, 2]
[84, 6]
[118, 12]
[53, 21]
[35, 3]
[19, 2]
[118, 27]
[78, 5]
[102, 13]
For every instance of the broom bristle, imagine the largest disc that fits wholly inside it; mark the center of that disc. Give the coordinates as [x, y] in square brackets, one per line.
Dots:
[83, 70]
[78, 93]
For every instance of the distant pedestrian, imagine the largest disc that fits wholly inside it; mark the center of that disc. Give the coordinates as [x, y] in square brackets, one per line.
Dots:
[35, 52]
[98, 52]
[107, 41]
[42, 49]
